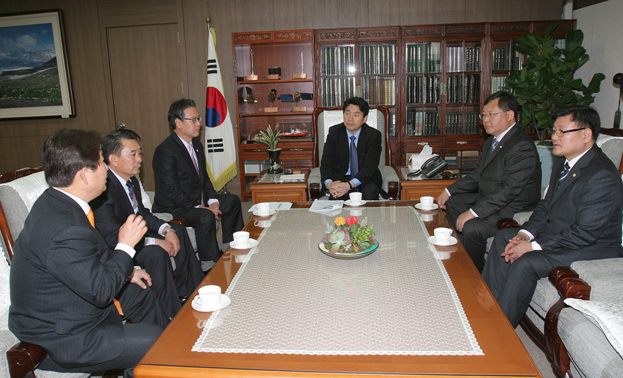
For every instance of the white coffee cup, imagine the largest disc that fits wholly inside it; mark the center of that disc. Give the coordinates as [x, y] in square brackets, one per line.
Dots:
[263, 208]
[427, 202]
[209, 296]
[241, 238]
[262, 223]
[442, 235]
[355, 198]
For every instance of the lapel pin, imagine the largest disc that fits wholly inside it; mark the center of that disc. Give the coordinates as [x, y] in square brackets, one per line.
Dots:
[574, 175]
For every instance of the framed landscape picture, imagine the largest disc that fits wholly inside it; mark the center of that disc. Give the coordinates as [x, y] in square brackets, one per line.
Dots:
[34, 76]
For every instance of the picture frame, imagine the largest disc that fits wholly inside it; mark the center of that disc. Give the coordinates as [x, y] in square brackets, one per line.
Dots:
[34, 73]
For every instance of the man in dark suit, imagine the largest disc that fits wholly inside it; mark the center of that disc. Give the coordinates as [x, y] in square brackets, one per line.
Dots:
[351, 155]
[579, 218]
[123, 155]
[184, 189]
[69, 291]
[507, 180]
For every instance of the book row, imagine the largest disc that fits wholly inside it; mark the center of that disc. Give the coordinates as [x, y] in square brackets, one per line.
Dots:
[336, 90]
[423, 57]
[422, 122]
[423, 89]
[462, 123]
[337, 60]
[463, 89]
[462, 58]
[378, 91]
[377, 59]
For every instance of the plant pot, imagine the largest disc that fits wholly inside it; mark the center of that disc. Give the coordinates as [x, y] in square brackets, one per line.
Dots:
[273, 156]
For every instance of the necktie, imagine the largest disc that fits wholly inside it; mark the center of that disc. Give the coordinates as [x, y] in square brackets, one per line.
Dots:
[132, 196]
[563, 173]
[494, 145]
[354, 160]
[91, 218]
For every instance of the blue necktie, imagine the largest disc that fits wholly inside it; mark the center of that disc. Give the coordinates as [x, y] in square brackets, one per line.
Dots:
[563, 173]
[354, 162]
[494, 145]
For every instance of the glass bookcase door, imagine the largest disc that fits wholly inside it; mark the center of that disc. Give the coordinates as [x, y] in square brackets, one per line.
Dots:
[463, 87]
[337, 74]
[423, 66]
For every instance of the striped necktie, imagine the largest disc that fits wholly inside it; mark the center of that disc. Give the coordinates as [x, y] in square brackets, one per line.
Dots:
[563, 173]
[494, 145]
[354, 160]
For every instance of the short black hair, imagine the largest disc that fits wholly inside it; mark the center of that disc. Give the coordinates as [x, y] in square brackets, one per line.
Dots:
[583, 116]
[507, 102]
[66, 152]
[360, 102]
[176, 110]
[112, 142]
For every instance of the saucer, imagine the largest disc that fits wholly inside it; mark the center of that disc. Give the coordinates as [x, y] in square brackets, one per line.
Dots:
[270, 212]
[419, 207]
[348, 203]
[431, 240]
[252, 244]
[225, 301]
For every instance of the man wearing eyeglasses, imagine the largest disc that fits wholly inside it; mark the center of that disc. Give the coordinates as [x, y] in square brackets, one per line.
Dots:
[184, 189]
[579, 218]
[507, 180]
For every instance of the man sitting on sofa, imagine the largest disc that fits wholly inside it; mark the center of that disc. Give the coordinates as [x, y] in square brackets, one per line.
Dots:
[69, 292]
[123, 155]
[579, 218]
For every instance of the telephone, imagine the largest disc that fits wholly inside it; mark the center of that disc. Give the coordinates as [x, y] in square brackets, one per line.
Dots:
[431, 167]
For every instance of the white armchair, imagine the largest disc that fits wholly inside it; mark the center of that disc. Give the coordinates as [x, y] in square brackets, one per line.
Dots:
[378, 118]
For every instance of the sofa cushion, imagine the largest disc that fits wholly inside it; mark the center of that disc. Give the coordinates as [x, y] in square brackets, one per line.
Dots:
[590, 352]
[606, 315]
[17, 198]
[605, 277]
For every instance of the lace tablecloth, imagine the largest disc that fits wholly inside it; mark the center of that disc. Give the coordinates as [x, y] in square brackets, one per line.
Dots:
[289, 298]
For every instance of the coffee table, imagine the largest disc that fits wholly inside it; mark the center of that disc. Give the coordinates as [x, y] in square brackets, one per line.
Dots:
[504, 354]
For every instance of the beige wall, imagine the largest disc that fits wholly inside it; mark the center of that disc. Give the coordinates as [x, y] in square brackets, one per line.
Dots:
[86, 21]
[602, 28]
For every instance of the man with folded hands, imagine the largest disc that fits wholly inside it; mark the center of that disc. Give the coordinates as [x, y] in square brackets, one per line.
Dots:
[122, 198]
[579, 218]
[351, 155]
[507, 180]
[70, 292]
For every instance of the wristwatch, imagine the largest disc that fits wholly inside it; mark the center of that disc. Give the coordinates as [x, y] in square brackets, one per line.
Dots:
[167, 231]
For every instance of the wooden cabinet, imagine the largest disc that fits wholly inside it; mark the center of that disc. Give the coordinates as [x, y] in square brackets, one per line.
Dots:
[271, 91]
[269, 188]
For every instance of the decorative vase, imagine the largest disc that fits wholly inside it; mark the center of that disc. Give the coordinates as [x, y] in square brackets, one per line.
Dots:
[273, 155]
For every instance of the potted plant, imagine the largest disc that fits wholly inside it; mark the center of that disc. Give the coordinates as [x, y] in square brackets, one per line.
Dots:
[546, 81]
[270, 137]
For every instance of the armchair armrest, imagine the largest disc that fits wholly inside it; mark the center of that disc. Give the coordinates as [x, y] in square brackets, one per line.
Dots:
[391, 181]
[164, 216]
[23, 358]
[522, 218]
[314, 184]
[181, 221]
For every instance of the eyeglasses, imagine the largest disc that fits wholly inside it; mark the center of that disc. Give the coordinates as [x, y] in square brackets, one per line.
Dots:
[490, 115]
[560, 133]
[194, 119]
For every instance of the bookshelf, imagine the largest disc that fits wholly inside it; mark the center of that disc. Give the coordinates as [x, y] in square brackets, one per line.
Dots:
[277, 59]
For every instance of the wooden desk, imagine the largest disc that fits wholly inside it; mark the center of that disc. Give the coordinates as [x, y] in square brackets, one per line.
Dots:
[412, 190]
[272, 191]
[504, 354]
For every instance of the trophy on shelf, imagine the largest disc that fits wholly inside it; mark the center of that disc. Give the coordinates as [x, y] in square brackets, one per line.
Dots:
[272, 96]
[297, 98]
[302, 75]
[274, 73]
[253, 76]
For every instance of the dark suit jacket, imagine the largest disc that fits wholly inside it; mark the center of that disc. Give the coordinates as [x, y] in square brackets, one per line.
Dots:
[508, 181]
[336, 155]
[177, 183]
[63, 280]
[585, 211]
[113, 207]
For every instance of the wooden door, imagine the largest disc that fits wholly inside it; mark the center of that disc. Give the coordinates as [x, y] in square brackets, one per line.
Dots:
[146, 70]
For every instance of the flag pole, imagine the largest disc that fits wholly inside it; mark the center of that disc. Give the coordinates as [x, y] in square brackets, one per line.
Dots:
[208, 20]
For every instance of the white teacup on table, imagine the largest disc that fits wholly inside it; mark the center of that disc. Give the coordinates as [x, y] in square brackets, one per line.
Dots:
[241, 238]
[355, 198]
[263, 209]
[443, 235]
[209, 298]
[427, 202]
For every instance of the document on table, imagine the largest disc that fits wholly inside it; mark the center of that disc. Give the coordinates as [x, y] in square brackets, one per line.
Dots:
[292, 178]
[319, 206]
[275, 206]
